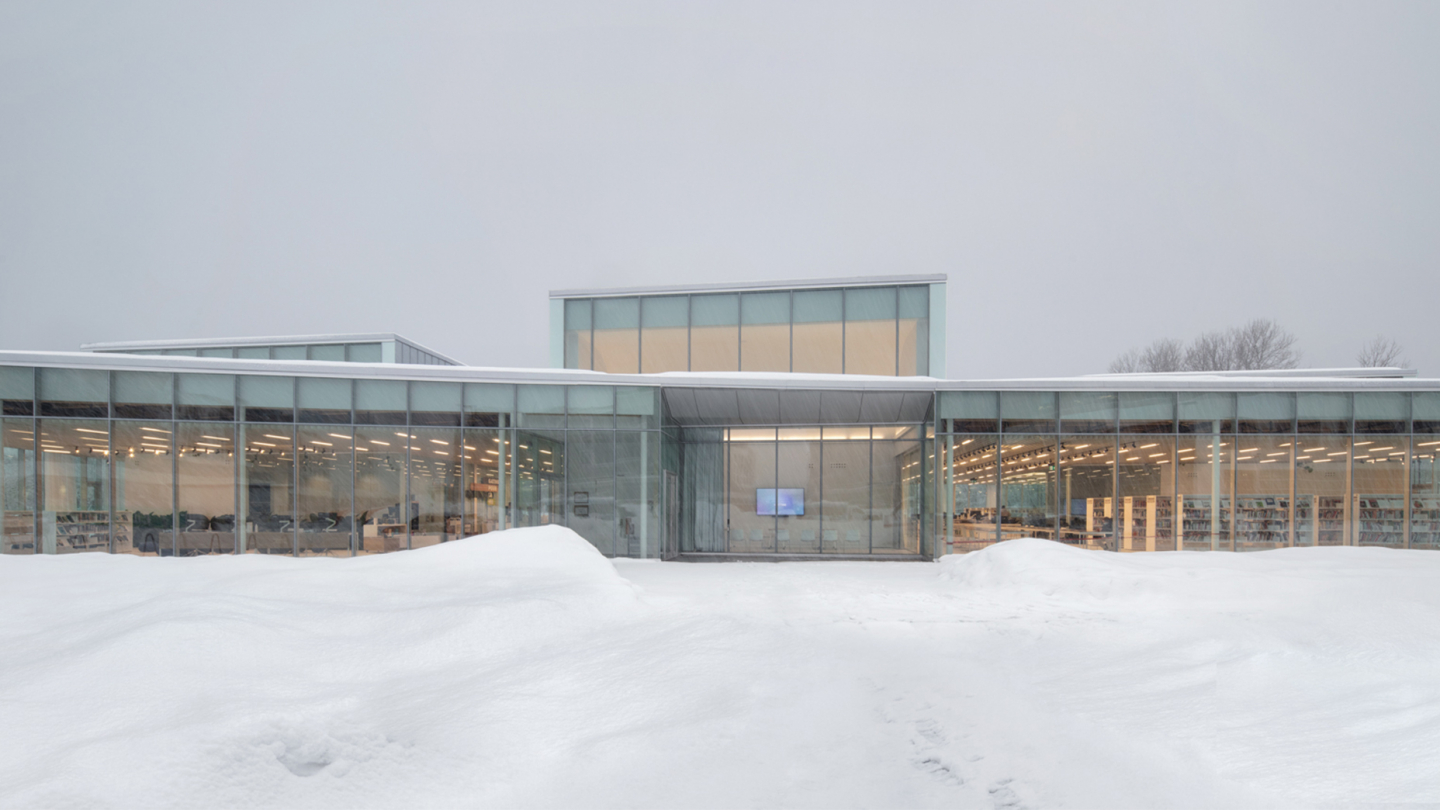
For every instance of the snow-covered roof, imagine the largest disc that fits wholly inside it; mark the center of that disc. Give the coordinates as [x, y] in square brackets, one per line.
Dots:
[693, 379]
[785, 284]
[273, 340]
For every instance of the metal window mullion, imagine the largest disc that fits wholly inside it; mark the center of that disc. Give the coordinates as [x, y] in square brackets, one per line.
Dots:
[791, 296]
[355, 535]
[615, 494]
[821, 528]
[295, 460]
[1405, 513]
[897, 331]
[38, 482]
[174, 483]
[110, 460]
[406, 516]
[870, 511]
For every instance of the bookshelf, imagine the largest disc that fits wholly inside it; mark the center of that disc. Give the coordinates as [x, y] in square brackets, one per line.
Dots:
[1195, 522]
[1099, 520]
[1380, 519]
[1425, 522]
[1319, 520]
[76, 531]
[1149, 523]
[1262, 521]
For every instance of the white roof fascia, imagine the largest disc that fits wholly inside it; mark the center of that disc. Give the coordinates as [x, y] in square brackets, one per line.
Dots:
[403, 371]
[692, 379]
[754, 286]
[1385, 372]
[275, 340]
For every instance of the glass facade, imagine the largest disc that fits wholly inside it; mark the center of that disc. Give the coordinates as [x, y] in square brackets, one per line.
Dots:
[361, 351]
[819, 489]
[147, 463]
[155, 463]
[1190, 470]
[880, 330]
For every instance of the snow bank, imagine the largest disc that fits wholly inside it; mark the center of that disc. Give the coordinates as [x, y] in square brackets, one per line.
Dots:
[170, 682]
[522, 669]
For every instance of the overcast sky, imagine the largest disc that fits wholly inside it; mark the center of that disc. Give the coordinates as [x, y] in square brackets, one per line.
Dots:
[1091, 176]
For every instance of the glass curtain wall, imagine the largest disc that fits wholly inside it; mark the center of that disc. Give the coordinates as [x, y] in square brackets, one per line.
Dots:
[267, 489]
[617, 335]
[17, 480]
[1424, 490]
[752, 487]
[867, 330]
[799, 488]
[844, 489]
[969, 491]
[75, 471]
[914, 331]
[895, 481]
[205, 488]
[870, 331]
[819, 332]
[664, 334]
[1379, 470]
[324, 466]
[715, 332]
[765, 331]
[1263, 516]
[845, 496]
[381, 464]
[324, 456]
[435, 485]
[1144, 508]
[1322, 479]
[144, 467]
[703, 477]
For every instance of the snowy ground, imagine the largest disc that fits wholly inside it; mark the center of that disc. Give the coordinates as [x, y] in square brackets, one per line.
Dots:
[523, 669]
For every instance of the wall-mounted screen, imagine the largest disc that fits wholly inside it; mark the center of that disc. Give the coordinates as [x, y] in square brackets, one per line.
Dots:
[780, 501]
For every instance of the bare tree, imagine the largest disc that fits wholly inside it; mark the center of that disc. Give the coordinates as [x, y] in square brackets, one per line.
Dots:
[1263, 344]
[1259, 344]
[1163, 355]
[1381, 352]
[1127, 363]
[1211, 351]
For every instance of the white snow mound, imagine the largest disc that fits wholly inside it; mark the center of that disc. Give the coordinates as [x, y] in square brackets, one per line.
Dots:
[1035, 566]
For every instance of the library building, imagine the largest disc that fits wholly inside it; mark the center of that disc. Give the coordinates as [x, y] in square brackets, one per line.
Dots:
[777, 420]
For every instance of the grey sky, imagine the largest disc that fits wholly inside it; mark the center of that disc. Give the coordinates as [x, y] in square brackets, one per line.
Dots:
[1090, 176]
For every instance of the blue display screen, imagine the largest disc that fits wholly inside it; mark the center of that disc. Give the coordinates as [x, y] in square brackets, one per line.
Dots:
[780, 501]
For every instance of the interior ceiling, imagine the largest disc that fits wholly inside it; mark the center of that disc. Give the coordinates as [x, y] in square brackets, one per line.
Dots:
[738, 406]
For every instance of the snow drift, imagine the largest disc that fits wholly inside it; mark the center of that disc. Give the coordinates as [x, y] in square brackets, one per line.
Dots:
[522, 669]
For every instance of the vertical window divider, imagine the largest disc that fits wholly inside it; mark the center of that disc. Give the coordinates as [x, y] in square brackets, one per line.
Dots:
[821, 529]
[408, 469]
[354, 530]
[109, 459]
[238, 457]
[174, 473]
[791, 296]
[870, 510]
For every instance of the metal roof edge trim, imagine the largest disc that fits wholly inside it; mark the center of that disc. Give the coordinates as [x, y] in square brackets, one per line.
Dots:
[317, 368]
[754, 286]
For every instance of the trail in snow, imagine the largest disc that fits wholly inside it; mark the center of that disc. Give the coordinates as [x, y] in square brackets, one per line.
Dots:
[523, 669]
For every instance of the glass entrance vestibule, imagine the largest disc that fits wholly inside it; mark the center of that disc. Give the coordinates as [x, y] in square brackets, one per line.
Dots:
[849, 490]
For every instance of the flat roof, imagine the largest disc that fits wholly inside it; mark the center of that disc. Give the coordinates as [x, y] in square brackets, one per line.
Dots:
[753, 286]
[695, 379]
[273, 340]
